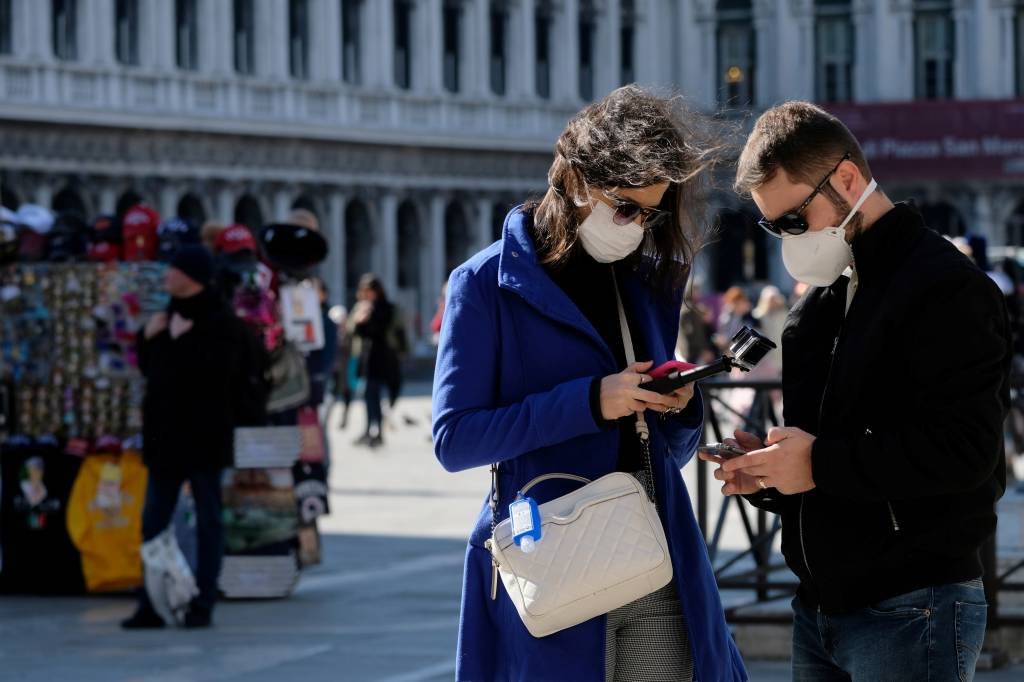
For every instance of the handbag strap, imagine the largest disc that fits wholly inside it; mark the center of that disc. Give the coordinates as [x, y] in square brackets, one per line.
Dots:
[643, 432]
[546, 477]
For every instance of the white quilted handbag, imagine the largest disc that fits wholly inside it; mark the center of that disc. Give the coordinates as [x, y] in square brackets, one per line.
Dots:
[602, 546]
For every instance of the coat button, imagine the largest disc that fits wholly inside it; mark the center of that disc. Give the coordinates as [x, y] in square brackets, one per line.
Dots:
[515, 254]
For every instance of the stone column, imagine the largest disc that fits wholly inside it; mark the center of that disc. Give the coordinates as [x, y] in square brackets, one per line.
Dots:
[325, 34]
[377, 43]
[336, 273]
[108, 198]
[168, 201]
[42, 193]
[984, 221]
[272, 28]
[766, 70]
[522, 50]
[282, 204]
[387, 205]
[98, 47]
[566, 48]
[225, 205]
[433, 274]
[608, 60]
[161, 52]
[428, 47]
[484, 218]
[476, 44]
[864, 88]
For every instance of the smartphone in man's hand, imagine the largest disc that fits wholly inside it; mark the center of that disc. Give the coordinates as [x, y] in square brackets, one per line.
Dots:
[721, 450]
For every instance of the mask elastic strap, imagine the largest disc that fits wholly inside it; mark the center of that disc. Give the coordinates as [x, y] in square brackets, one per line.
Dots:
[860, 202]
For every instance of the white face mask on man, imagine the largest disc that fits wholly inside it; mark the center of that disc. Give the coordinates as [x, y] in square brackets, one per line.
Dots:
[603, 239]
[819, 257]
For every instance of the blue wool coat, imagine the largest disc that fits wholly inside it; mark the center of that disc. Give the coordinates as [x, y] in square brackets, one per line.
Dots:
[511, 385]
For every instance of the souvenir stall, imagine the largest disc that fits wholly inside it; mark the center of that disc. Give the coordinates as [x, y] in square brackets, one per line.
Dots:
[72, 477]
[72, 299]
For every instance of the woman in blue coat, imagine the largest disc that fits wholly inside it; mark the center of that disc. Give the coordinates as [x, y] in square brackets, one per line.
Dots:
[532, 375]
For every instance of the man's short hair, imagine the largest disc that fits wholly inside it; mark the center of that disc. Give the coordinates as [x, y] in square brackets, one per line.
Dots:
[803, 139]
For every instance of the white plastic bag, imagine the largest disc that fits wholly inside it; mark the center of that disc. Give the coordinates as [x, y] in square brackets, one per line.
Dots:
[169, 580]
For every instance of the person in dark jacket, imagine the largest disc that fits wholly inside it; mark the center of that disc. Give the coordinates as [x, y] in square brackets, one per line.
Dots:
[372, 318]
[193, 358]
[895, 382]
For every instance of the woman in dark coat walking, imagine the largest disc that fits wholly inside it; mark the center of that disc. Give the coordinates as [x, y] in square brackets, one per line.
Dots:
[372, 318]
[532, 374]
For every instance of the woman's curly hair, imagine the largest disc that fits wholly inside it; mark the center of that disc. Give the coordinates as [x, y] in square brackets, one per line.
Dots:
[632, 138]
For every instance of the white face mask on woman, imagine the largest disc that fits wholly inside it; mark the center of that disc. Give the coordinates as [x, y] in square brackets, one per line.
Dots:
[818, 258]
[603, 239]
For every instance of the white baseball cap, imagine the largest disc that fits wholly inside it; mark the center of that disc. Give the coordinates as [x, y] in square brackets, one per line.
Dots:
[35, 218]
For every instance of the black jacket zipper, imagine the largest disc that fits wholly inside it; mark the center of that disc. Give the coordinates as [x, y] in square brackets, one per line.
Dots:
[892, 516]
[821, 411]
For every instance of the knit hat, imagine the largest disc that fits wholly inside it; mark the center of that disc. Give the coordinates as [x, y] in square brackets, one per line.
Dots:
[196, 262]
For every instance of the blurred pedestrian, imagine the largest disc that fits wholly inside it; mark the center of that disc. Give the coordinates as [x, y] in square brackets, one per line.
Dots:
[320, 363]
[435, 323]
[192, 356]
[770, 314]
[344, 379]
[536, 373]
[895, 382]
[695, 342]
[398, 343]
[371, 320]
[736, 314]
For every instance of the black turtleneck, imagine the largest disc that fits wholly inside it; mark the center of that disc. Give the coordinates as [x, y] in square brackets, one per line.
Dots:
[590, 286]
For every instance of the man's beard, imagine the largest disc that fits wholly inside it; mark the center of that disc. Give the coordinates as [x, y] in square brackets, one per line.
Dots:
[856, 224]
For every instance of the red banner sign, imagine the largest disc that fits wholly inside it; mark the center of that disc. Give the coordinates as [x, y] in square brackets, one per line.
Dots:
[940, 140]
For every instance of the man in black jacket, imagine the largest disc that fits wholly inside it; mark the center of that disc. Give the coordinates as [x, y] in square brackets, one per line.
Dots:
[895, 383]
[196, 358]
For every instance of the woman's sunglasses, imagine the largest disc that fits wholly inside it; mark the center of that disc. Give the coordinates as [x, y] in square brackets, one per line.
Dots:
[627, 211]
[793, 222]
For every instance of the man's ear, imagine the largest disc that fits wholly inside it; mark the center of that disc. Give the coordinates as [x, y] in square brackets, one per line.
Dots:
[849, 181]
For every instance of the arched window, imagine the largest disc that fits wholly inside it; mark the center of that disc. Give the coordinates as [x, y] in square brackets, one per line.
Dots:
[249, 213]
[65, 29]
[191, 210]
[351, 40]
[245, 37]
[834, 50]
[458, 240]
[934, 49]
[298, 38]
[737, 53]
[186, 22]
[358, 245]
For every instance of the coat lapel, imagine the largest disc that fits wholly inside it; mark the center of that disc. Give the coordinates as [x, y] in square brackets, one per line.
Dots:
[520, 272]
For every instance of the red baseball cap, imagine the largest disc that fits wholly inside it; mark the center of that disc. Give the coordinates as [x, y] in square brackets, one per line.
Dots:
[235, 239]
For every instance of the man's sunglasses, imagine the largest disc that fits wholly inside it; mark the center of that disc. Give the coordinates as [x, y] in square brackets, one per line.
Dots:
[793, 222]
[627, 211]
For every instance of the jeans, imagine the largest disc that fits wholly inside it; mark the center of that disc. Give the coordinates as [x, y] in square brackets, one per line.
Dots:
[162, 493]
[929, 635]
[374, 411]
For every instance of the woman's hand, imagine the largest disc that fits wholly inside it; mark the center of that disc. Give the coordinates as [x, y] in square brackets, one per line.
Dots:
[622, 396]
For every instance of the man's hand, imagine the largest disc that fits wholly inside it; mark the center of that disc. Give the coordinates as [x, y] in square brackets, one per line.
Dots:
[156, 324]
[621, 394]
[736, 482]
[785, 464]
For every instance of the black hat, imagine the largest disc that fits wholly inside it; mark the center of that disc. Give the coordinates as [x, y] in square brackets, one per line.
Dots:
[195, 261]
[293, 247]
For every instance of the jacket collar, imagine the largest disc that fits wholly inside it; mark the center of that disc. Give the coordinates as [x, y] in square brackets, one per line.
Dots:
[882, 248]
[520, 271]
